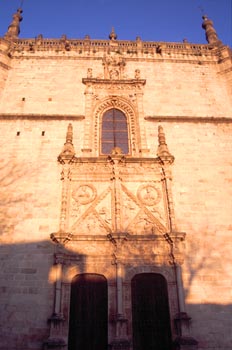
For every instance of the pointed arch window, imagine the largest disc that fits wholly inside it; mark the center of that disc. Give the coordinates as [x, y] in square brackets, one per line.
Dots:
[114, 131]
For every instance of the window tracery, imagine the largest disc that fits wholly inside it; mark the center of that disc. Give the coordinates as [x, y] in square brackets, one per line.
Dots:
[114, 132]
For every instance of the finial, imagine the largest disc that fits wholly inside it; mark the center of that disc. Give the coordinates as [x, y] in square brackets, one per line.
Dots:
[163, 152]
[68, 151]
[210, 32]
[69, 134]
[14, 28]
[113, 35]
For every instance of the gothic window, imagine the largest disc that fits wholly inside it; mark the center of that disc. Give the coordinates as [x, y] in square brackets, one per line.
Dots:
[150, 312]
[114, 131]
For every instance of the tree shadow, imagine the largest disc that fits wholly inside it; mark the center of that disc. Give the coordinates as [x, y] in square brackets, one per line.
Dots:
[27, 289]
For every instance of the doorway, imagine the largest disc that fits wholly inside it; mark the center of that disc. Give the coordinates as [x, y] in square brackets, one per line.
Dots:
[88, 313]
[150, 312]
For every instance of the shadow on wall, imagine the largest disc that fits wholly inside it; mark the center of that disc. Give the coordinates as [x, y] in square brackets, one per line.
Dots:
[27, 301]
[211, 325]
[16, 198]
[207, 259]
[26, 294]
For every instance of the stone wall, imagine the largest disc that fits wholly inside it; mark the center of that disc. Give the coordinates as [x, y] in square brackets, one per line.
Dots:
[190, 97]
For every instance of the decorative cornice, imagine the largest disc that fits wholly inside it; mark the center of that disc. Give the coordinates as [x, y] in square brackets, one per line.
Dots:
[176, 236]
[187, 119]
[129, 45]
[114, 82]
[149, 57]
[124, 159]
[139, 48]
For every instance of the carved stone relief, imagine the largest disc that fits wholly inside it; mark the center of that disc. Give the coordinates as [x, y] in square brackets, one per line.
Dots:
[150, 198]
[149, 195]
[115, 204]
[113, 90]
[91, 211]
[84, 194]
[123, 105]
[113, 64]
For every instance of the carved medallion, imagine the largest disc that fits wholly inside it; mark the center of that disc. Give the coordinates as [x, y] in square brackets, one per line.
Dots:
[84, 194]
[148, 195]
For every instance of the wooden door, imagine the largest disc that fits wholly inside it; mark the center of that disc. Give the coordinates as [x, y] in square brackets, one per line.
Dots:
[88, 313]
[150, 312]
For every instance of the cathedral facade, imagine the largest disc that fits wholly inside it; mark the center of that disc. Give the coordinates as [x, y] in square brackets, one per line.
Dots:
[116, 175]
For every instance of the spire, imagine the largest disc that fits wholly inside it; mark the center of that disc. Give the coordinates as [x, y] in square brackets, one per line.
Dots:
[14, 28]
[163, 152]
[113, 35]
[68, 151]
[210, 32]
[69, 134]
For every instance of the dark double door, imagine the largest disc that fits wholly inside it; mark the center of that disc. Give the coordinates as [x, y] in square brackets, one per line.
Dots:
[88, 324]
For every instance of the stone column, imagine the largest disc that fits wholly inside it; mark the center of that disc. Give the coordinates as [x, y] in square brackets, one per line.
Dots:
[56, 340]
[57, 308]
[143, 143]
[184, 341]
[121, 339]
[119, 289]
[88, 131]
[182, 321]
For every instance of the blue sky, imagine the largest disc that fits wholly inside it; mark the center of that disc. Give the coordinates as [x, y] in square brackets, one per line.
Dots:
[152, 20]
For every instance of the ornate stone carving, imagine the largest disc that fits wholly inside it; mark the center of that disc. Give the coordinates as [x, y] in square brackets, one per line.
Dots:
[105, 214]
[145, 223]
[149, 195]
[130, 208]
[114, 65]
[163, 151]
[142, 219]
[137, 74]
[210, 32]
[125, 106]
[14, 27]
[91, 213]
[121, 203]
[84, 194]
[89, 73]
[68, 152]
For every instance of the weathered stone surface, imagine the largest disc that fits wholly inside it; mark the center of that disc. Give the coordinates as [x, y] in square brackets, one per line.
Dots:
[110, 212]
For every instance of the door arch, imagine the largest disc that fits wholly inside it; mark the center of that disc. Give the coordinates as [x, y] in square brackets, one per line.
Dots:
[88, 313]
[150, 312]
